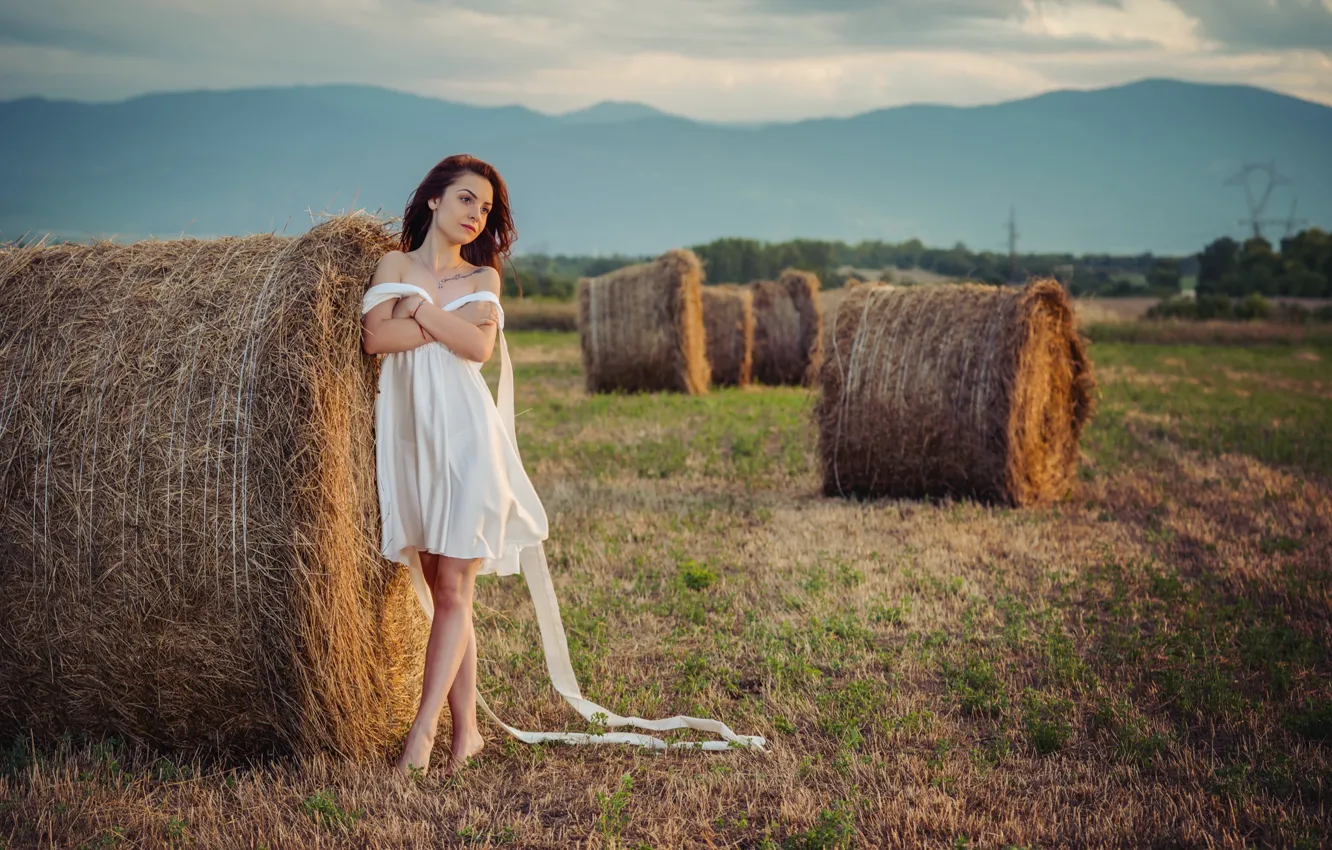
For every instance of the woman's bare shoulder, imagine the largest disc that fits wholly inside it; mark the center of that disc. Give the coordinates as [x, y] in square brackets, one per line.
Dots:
[390, 268]
[487, 279]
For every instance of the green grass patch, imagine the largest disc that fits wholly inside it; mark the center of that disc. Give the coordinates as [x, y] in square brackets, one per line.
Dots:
[1270, 402]
[325, 811]
[976, 685]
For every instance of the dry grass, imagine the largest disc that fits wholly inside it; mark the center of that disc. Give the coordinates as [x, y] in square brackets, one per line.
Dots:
[1092, 311]
[534, 314]
[1142, 664]
[1210, 332]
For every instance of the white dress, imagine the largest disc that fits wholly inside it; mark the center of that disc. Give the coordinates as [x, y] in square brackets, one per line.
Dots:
[451, 481]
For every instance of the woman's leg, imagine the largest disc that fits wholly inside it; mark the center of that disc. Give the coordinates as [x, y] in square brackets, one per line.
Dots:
[450, 633]
[467, 740]
[429, 561]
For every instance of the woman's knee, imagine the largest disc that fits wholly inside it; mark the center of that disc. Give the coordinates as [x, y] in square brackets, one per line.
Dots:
[454, 579]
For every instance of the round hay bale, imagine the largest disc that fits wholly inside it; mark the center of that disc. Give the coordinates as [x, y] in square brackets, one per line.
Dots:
[189, 523]
[728, 324]
[788, 317]
[830, 300]
[641, 327]
[961, 390]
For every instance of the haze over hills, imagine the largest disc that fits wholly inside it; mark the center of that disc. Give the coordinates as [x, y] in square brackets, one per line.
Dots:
[1139, 167]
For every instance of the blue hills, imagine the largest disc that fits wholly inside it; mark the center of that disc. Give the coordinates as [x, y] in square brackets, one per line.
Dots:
[1135, 168]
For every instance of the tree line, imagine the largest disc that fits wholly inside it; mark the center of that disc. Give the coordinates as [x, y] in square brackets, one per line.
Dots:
[735, 260]
[1302, 267]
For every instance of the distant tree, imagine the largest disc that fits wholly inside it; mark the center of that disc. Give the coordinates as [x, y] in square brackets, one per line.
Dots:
[731, 260]
[805, 254]
[1259, 267]
[531, 282]
[1306, 260]
[1163, 277]
[1089, 281]
[908, 254]
[1215, 262]
[602, 265]
[1215, 306]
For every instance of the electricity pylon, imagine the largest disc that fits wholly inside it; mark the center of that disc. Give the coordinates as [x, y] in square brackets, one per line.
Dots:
[1257, 205]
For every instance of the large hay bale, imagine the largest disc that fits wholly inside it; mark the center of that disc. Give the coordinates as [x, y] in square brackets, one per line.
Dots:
[728, 324]
[189, 532]
[830, 300]
[958, 390]
[641, 327]
[788, 317]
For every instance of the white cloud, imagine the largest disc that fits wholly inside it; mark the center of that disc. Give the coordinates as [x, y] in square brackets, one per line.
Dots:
[711, 59]
[1158, 22]
[790, 89]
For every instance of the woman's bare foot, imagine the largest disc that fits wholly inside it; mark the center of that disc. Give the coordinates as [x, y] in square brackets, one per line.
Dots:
[416, 752]
[469, 744]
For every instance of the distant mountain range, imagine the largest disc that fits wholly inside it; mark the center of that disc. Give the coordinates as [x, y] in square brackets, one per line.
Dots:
[1134, 168]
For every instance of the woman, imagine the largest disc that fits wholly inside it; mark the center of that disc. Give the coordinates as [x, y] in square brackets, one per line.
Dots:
[454, 499]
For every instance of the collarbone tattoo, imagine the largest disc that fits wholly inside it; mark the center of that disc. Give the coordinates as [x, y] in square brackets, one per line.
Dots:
[440, 283]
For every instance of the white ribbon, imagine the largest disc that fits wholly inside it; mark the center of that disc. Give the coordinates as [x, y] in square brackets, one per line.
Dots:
[532, 562]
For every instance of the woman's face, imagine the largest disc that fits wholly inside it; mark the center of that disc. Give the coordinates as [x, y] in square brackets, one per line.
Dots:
[460, 213]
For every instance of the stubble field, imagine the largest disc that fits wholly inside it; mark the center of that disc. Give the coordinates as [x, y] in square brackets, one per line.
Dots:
[1144, 663]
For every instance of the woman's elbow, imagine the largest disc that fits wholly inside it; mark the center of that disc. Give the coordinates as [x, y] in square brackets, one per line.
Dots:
[478, 355]
[368, 340]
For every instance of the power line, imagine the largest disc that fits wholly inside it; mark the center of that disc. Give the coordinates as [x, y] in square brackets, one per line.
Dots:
[1292, 223]
[1259, 204]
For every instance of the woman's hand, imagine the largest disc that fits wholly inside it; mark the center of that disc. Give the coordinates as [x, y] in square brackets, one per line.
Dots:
[479, 312]
[404, 306]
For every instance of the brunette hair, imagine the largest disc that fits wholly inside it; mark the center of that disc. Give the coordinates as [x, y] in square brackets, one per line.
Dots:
[492, 244]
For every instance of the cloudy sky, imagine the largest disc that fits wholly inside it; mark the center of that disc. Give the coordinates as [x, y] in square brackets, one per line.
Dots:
[708, 59]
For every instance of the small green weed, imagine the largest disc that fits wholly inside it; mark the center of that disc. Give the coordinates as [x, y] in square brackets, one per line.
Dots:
[1313, 720]
[614, 818]
[1133, 740]
[109, 838]
[976, 686]
[471, 835]
[327, 813]
[597, 725]
[834, 830]
[845, 714]
[1046, 722]
[1279, 545]
[176, 828]
[992, 752]
[894, 615]
[16, 758]
[696, 576]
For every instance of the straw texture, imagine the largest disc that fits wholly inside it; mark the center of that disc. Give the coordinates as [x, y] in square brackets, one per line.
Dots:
[728, 324]
[189, 530]
[641, 327]
[957, 390]
[788, 316]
